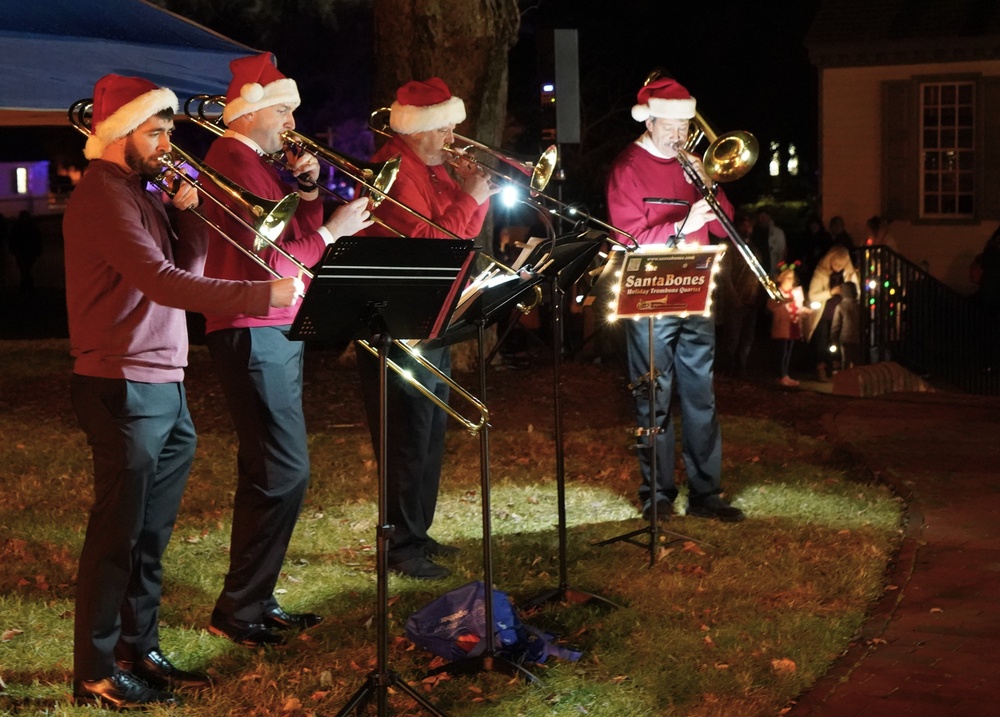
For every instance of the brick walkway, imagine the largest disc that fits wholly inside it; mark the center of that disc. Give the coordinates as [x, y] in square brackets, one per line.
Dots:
[932, 644]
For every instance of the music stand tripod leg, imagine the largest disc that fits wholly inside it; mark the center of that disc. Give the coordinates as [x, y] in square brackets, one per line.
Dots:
[651, 431]
[489, 660]
[563, 592]
[381, 678]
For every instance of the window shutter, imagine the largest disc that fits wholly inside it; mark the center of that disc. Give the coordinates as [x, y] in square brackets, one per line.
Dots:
[900, 144]
[989, 166]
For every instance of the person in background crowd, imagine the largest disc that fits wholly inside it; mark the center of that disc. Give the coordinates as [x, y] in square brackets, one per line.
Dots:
[833, 270]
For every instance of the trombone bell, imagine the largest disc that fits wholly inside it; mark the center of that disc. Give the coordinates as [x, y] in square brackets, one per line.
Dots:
[731, 156]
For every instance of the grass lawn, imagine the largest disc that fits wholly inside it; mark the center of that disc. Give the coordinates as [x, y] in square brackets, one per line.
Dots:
[738, 620]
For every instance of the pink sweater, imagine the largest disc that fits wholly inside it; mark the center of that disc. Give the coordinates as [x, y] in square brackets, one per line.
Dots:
[301, 238]
[126, 292]
[636, 175]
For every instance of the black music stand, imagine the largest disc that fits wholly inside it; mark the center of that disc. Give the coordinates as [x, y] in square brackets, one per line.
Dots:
[381, 289]
[562, 262]
[480, 310]
[667, 304]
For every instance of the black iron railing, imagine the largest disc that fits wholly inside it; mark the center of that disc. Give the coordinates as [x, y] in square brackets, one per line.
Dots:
[917, 321]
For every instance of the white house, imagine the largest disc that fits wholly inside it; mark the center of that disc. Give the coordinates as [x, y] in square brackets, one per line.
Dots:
[909, 124]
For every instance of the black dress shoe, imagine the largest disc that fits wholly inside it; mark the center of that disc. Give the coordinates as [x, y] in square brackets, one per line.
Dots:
[248, 634]
[157, 671]
[278, 619]
[664, 509]
[421, 568]
[436, 549]
[122, 690]
[714, 507]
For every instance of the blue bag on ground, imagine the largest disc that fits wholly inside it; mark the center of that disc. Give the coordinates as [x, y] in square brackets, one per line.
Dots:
[451, 626]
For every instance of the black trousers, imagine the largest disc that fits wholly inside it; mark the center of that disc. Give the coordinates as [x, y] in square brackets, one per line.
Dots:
[261, 375]
[143, 444]
[415, 437]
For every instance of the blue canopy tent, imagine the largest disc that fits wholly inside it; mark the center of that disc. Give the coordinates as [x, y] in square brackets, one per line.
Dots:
[52, 52]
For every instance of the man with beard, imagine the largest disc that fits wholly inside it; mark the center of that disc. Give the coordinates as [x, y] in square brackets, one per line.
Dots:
[127, 287]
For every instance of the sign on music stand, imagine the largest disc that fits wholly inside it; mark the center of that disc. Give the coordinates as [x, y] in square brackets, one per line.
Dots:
[657, 281]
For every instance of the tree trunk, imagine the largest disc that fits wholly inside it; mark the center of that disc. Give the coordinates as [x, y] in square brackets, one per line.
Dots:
[465, 43]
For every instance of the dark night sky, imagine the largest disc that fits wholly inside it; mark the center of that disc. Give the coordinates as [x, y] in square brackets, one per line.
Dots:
[744, 61]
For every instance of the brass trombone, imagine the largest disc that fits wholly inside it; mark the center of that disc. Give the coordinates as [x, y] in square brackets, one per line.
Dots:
[377, 178]
[728, 157]
[269, 216]
[540, 173]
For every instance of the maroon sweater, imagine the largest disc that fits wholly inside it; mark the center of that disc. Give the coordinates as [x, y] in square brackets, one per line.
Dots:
[125, 291]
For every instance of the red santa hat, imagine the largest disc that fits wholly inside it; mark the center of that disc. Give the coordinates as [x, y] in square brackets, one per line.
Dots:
[423, 106]
[120, 105]
[664, 98]
[257, 84]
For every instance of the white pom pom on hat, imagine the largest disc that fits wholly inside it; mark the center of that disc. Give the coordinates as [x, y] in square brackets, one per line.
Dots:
[252, 92]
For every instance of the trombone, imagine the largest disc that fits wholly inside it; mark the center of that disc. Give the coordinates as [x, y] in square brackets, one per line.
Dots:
[728, 157]
[377, 178]
[270, 216]
[539, 172]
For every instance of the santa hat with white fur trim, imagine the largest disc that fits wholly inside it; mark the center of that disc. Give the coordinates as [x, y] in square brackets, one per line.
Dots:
[257, 84]
[664, 98]
[423, 106]
[121, 104]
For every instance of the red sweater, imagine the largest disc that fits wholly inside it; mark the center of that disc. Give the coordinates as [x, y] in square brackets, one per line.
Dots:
[636, 175]
[429, 190]
[301, 238]
[126, 289]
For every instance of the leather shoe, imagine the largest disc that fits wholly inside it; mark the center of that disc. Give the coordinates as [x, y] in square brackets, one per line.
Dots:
[421, 568]
[122, 690]
[714, 507]
[157, 671]
[248, 634]
[278, 619]
[436, 549]
[664, 509]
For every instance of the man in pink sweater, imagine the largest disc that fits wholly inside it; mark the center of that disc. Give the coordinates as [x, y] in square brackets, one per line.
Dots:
[127, 286]
[683, 346]
[259, 367]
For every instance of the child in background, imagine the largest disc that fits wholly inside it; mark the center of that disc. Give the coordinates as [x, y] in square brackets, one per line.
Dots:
[785, 319]
[844, 334]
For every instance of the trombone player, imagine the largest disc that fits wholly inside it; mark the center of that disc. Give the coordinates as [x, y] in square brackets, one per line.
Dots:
[423, 119]
[128, 282]
[684, 346]
[259, 368]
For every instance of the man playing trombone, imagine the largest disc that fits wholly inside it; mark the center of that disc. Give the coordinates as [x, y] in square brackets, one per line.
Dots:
[650, 196]
[259, 368]
[422, 118]
[127, 286]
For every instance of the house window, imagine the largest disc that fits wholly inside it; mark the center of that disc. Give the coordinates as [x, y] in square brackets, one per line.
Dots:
[947, 149]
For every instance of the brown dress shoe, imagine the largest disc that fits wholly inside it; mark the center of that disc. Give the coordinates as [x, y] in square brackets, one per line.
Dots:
[122, 690]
